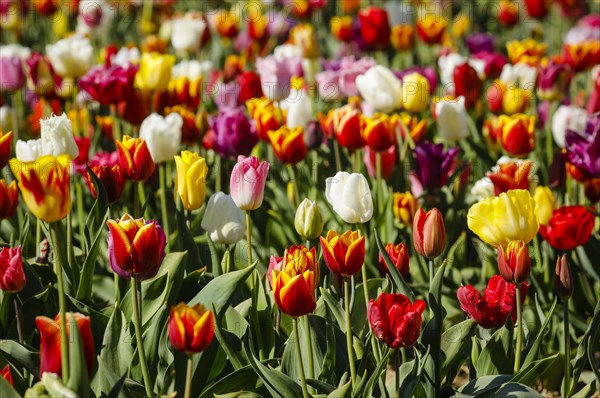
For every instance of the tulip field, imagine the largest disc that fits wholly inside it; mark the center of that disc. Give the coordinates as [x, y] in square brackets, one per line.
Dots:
[299, 198]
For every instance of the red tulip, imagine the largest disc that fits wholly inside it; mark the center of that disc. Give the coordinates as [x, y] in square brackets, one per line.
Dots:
[537, 9]
[9, 199]
[344, 254]
[511, 175]
[569, 227]
[508, 14]
[50, 353]
[429, 233]
[467, 84]
[395, 320]
[374, 27]
[563, 280]
[388, 162]
[109, 85]
[5, 145]
[5, 373]
[250, 86]
[514, 263]
[112, 178]
[135, 158]
[12, 277]
[399, 256]
[191, 328]
[497, 302]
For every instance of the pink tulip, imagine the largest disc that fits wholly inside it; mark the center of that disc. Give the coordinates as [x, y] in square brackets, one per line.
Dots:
[247, 183]
[12, 277]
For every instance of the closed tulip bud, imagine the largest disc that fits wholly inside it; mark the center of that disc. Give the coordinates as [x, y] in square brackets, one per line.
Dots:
[429, 233]
[9, 199]
[451, 118]
[5, 144]
[5, 373]
[44, 186]
[399, 256]
[344, 254]
[12, 277]
[415, 92]
[563, 280]
[350, 197]
[155, 72]
[247, 183]
[135, 158]
[223, 220]
[294, 285]
[345, 125]
[308, 221]
[514, 263]
[546, 203]
[467, 84]
[135, 247]
[191, 328]
[404, 207]
[395, 320]
[288, 144]
[50, 352]
[112, 179]
[190, 183]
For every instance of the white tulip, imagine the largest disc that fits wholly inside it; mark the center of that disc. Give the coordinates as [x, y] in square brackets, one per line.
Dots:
[299, 109]
[15, 50]
[223, 220]
[350, 196]
[29, 151]
[192, 69]
[71, 57]
[380, 88]
[126, 56]
[521, 75]
[186, 33]
[565, 118]
[56, 139]
[452, 118]
[162, 135]
[483, 189]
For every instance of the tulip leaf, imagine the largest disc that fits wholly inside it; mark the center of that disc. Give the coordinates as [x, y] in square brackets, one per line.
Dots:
[78, 373]
[495, 386]
[534, 370]
[374, 377]
[455, 344]
[240, 379]
[186, 241]
[533, 350]
[584, 350]
[220, 290]
[334, 307]
[399, 282]
[6, 390]
[497, 357]
[20, 356]
[586, 255]
[231, 344]
[343, 391]
[239, 394]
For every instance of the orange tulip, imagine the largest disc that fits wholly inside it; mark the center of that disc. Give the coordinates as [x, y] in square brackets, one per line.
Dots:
[403, 37]
[429, 233]
[511, 175]
[416, 128]
[5, 141]
[135, 158]
[288, 144]
[341, 28]
[112, 178]
[191, 328]
[344, 254]
[9, 199]
[294, 285]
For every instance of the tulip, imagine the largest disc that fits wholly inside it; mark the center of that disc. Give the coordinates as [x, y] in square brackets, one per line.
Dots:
[294, 286]
[187, 32]
[40, 75]
[299, 109]
[247, 184]
[582, 56]
[518, 134]
[44, 186]
[266, 116]
[154, 72]
[569, 227]
[250, 86]
[527, 51]
[508, 13]
[433, 167]
[9, 199]
[227, 24]
[162, 136]
[403, 37]
[514, 263]
[350, 197]
[451, 118]
[429, 234]
[545, 204]
[109, 85]
[509, 216]
[381, 89]
[12, 276]
[50, 342]
[345, 124]
[479, 42]
[5, 373]
[191, 328]
[135, 247]
[343, 254]
[275, 76]
[328, 85]
[190, 183]
[404, 207]
[71, 57]
[56, 140]
[416, 128]
[431, 28]
[308, 220]
[510, 175]
[563, 279]
[112, 179]
[379, 131]
[395, 320]
[537, 8]
[223, 220]
[592, 189]
[135, 158]
[234, 134]
[568, 117]
[582, 151]
[374, 27]
[554, 81]
[493, 63]
[304, 36]
[467, 84]
[399, 256]
[415, 92]
[350, 69]
[491, 309]
[5, 145]
[12, 73]
[389, 158]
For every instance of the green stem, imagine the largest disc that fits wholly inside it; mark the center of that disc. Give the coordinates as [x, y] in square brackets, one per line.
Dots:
[294, 181]
[431, 274]
[338, 159]
[137, 324]
[58, 258]
[38, 236]
[311, 364]
[249, 236]
[218, 174]
[349, 332]
[80, 211]
[162, 176]
[116, 122]
[519, 330]
[378, 190]
[299, 359]
[567, 381]
[70, 252]
[188, 378]
[398, 362]
[20, 333]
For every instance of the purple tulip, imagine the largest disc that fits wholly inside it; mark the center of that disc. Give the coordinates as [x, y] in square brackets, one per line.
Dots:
[234, 134]
[583, 151]
[554, 81]
[432, 168]
[480, 42]
[12, 75]
[109, 85]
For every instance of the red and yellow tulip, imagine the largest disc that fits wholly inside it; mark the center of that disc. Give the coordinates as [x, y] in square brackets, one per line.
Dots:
[288, 144]
[5, 141]
[191, 328]
[344, 254]
[9, 199]
[135, 158]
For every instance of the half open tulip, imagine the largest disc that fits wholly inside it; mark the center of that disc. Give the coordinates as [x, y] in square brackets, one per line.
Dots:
[135, 247]
[5, 373]
[135, 158]
[429, 233]
[190, 183]
[50, 353]
[294, 285]
[12, 276]
[509, 216]
[112, 179]
[514, 263]
[404, 207]
[5, 143]
[288, 144]
[247, 183]
[399, 256]
[44, 186]
[344, 254]
[191, 328]
[569, 227]
[9, 199]
[395, 320]
[511, 175]
[154, 73]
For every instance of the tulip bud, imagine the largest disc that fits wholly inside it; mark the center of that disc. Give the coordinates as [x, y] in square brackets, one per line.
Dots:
[135, 158]
[563, 281]
[190, 183]
[415, 92]
[308, 221]
[12, 277]
[223, 220]
[5, 373]
[191, 328]
[247, 183]
[514, 263]
[429, 233]
[399, 256]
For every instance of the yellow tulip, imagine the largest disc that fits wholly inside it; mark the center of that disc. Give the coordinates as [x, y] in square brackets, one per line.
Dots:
[545, 204]
[44, 185]
[415, 92]
[155, 72]
[190, 183]
[500, 219]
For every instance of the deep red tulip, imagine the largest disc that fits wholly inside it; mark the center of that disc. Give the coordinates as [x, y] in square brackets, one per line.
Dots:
[5, 373]
[12, 276]
[112, 178]
[109, 85]
[467, 84]
[569, 227]
[375, 28]
[537, 9]
[250, 86]
[395, 320]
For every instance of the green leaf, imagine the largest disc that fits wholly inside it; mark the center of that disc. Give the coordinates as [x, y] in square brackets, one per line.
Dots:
[534, 370]
[240, 394]
[240, 379]
[584, 350]
[231, 344]
[535, 347]
[334, 306]
[497, 357]
[6, 390]
[375, 376]
[20, 356]
[78, 375]
[482, 385]
[343, 391]
[399, 282]
[496, 386]
[456, 345]
[186, 241]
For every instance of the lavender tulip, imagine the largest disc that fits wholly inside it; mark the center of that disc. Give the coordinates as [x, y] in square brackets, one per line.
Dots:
[480, 42]
[432, 168]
